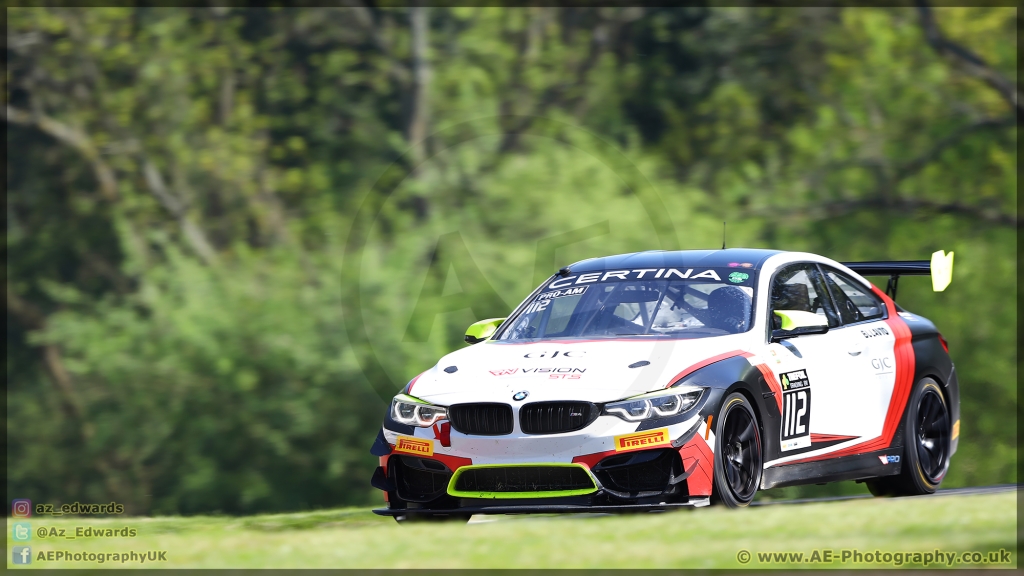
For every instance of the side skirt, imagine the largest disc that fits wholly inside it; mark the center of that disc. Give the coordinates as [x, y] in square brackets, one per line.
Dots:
[857, 467]
[544, 509]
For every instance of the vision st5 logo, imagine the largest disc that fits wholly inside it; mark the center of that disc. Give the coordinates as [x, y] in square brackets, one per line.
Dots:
[529, 371]
[504, 372]
[417, 446]
[645, 439]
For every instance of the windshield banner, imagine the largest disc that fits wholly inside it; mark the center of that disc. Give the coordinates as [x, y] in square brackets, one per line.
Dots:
[566, 286]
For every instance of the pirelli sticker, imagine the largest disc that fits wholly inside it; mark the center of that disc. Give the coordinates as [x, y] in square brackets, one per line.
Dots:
[640, 440]
[417, 446]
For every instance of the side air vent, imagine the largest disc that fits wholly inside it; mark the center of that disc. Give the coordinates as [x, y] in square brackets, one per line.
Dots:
[418, 479]
[639, 473]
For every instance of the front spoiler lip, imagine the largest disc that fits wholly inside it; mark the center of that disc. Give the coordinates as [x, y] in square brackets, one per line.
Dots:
[543, 509]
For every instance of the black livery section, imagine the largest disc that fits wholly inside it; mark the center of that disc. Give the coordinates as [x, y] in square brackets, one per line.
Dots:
[642, 473]
[725, 377]
[892, 269]
[737, 258]
[932, 360]
[869, 465]
[737, 374]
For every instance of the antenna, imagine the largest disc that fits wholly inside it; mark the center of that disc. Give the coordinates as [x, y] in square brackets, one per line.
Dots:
[723, 234]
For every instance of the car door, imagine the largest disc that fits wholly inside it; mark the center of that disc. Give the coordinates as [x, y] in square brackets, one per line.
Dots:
[814, 369]
[869, 343]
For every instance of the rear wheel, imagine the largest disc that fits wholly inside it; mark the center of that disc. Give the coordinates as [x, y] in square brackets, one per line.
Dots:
[926, 444]
[738, 463]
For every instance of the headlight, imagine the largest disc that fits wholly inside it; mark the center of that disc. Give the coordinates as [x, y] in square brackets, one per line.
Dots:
[656, 404]
[414, 412]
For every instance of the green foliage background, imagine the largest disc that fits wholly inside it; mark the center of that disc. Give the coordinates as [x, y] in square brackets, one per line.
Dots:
[185, 185]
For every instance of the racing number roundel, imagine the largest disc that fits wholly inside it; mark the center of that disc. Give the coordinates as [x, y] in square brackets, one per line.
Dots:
[796, 410]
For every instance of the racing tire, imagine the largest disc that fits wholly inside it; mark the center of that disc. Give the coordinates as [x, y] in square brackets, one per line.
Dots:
[926, 441]
[738, 453]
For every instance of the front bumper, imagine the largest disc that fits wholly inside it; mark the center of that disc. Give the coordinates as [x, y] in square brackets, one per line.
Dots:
[518, 448]
[612, 465]
[543, 509]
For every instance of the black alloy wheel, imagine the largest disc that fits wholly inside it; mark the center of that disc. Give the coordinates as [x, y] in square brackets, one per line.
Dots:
[932, 435]
[926, 440]
[738, 460]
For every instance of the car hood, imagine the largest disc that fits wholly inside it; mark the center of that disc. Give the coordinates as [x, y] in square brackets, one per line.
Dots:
[593, 371]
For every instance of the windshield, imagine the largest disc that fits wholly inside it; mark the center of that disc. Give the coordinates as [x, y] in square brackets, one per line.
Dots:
[676, 303]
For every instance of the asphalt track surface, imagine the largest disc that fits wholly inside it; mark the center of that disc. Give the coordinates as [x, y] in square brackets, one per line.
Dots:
[995, 489]
[946, 492]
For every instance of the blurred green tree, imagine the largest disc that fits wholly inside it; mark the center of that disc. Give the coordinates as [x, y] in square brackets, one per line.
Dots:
[184, 183]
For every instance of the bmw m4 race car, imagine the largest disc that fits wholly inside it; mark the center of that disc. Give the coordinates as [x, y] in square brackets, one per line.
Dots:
[662, 379]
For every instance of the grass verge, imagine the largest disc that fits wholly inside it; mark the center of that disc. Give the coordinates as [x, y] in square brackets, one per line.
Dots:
[699, 538]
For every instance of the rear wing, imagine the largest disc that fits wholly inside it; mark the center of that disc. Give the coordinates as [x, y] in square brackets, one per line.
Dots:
[940, 268]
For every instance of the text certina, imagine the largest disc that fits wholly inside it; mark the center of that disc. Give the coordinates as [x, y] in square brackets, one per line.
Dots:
[640, 274]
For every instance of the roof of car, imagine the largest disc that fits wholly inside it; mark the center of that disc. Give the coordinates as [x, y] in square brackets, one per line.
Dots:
[676, 259]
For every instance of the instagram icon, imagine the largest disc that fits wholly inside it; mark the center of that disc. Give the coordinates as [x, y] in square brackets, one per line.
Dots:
[21, 508]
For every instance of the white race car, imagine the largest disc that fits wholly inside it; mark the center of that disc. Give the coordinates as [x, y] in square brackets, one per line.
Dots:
[662, 379]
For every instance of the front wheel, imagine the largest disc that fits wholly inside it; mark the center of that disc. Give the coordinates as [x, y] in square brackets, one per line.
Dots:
[738, 463]
[926, 442]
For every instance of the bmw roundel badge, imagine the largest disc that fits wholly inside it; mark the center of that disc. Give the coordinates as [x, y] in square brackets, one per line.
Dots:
[520, 395]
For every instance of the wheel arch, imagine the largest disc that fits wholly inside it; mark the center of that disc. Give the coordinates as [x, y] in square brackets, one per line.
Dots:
[744, 389]
[737, 374]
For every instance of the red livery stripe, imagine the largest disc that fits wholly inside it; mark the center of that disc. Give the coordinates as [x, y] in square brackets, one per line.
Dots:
[413, 381]
[591, 460]
[699, 464]
[707, 362]
[830, 438]
[769, 377]
[452, 462]
[905, 366]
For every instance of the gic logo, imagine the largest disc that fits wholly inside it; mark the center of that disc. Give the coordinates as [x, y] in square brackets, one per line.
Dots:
[546, 354]
[881, 363]
[645, 439]
[416, 446]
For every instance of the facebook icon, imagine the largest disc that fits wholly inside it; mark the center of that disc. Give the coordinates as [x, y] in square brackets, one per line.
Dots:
[21, 554]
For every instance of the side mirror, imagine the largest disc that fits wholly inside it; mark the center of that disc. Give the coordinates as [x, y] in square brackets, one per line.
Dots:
[798, 323]
[480, 331]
